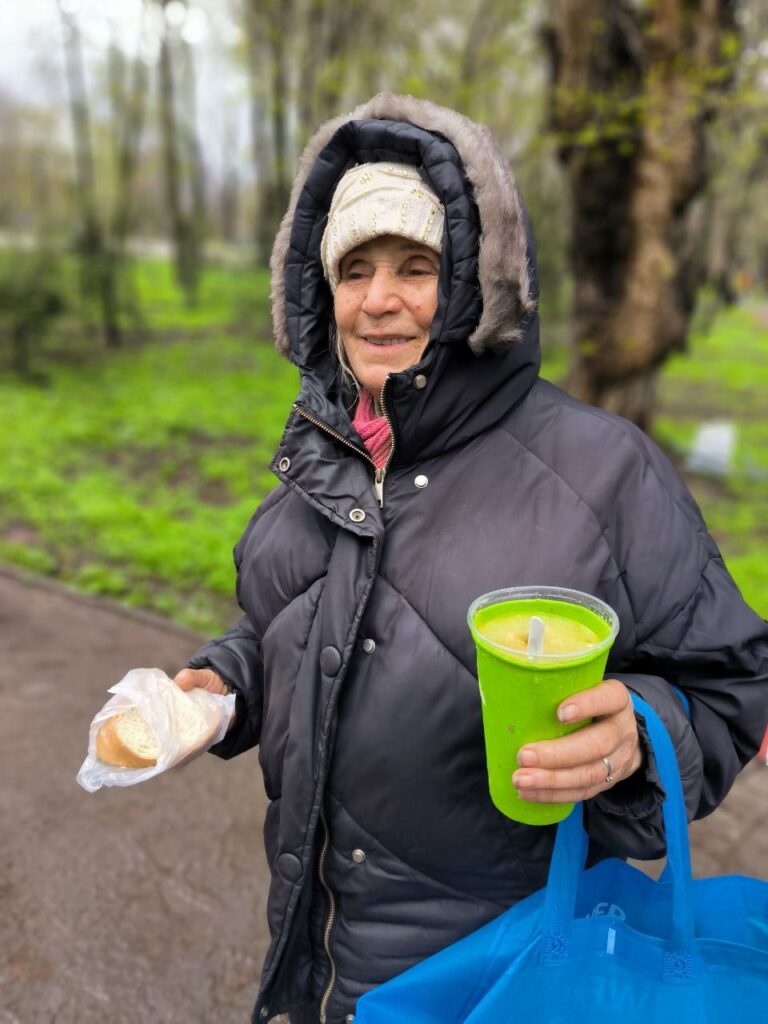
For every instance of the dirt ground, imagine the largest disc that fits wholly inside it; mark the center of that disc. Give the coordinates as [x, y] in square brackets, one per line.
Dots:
[147, 905]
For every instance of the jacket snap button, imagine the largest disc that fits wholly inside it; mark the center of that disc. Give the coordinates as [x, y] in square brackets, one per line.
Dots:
[357, 515]
[264, 1012]
[358, 856]
[330, 661]
[289, 866]
[284, 465]
[369, 646]
[349, 1019]
[419, 381]
[421, 480]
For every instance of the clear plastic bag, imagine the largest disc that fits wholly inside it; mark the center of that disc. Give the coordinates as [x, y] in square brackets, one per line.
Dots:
[184, 724]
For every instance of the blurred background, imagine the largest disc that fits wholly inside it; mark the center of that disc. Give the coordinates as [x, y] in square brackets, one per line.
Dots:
[146, 153]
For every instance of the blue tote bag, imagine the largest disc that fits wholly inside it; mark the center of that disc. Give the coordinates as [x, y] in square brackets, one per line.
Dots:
[602, 946]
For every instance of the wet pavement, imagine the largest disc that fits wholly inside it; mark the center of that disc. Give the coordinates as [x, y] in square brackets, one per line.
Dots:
[127, 906]
[147, 905]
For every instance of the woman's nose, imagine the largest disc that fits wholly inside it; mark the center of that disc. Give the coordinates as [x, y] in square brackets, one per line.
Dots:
[382, 294]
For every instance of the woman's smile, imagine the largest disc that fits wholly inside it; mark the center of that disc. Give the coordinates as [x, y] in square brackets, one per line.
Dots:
[387, 340]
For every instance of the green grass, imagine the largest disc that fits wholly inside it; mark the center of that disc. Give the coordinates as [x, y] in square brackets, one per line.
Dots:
[133, 474]
[226, 297]
[234, 300]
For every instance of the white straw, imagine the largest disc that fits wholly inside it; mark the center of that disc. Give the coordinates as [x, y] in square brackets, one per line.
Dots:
[535, 636]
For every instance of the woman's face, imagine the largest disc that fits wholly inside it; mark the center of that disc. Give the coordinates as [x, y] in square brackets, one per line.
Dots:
[384, 305]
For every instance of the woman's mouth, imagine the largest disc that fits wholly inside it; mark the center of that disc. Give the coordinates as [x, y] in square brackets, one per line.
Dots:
[386, 340]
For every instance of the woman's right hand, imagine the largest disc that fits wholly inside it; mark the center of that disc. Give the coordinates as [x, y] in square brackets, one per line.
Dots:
[202, 679]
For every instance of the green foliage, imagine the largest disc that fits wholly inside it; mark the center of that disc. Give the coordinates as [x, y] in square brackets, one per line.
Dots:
[237, 297]
[133, 477]
[46, 287]
[554, 359]
[31, 298]
[129, 489]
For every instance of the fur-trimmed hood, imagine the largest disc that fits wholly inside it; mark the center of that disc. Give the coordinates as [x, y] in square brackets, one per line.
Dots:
[483, 352]
[504, 271]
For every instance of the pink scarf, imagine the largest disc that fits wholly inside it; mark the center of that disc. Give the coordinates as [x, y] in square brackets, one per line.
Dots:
[373, 429]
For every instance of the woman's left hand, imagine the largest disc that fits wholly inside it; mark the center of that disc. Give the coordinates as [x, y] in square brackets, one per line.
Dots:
[588, 761]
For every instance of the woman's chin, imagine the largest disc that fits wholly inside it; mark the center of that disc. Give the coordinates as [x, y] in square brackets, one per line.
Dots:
[378, 362]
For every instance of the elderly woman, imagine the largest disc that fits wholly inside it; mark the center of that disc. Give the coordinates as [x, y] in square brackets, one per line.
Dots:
[424, 463]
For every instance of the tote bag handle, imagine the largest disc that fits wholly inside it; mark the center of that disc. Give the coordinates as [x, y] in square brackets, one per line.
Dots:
[571, 846]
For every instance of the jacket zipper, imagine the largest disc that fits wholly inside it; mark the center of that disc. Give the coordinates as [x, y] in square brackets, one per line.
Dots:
[329, 922]
[379, 473]
[333, 433]
[378, 485]
[378, 480]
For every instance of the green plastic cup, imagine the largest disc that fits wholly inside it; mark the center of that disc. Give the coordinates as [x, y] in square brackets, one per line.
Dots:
[520, 693]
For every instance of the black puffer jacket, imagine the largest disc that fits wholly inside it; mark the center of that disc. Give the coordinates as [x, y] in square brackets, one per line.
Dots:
[353, 660]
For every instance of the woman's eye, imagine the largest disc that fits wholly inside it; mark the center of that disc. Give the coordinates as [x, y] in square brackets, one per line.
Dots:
[353, 274]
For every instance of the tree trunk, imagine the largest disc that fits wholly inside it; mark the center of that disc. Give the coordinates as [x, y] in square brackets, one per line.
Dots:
[279, 35]
[304, 48]
[128, 86]
[21, 343]
[311, 59]
[229, 192]
[347, 25]
[267, 212]
[195, 163]
[97, 263]
[184, 242]
[632, 91]
[257, 112]
[128, 113]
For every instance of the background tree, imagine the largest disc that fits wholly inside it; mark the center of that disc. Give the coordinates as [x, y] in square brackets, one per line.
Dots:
[98, 263]
[730, 216]
[181, 170]
[304, 57]
[633, 85]
[128, 91]
[267, 26]
[632, 91]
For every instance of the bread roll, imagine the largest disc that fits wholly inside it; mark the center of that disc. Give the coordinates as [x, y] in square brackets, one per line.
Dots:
[126, 741]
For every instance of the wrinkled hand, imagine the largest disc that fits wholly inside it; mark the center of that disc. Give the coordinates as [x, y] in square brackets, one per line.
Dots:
[571, 768]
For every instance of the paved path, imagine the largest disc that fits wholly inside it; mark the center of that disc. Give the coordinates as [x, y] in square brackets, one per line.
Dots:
[146, 905]
[126, 906]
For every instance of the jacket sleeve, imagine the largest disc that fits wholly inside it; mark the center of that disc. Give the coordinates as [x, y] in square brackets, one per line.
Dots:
[699, 656]
[236, 656]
